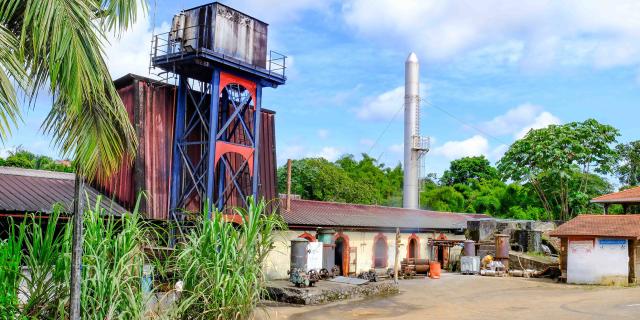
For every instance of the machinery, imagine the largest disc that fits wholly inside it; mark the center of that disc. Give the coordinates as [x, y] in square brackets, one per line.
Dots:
[301, 278]
[370, 275]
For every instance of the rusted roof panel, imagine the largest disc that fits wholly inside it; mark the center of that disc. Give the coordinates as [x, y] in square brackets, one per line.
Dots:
[31, 191]
[596, 225]
[332, 214]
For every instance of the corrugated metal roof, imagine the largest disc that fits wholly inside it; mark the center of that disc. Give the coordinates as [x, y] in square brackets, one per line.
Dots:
[625, 196]
[619, 226]
[332, 214]
[28, 190]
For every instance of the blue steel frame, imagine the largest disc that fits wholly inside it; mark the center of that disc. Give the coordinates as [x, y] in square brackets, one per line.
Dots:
[189, 179]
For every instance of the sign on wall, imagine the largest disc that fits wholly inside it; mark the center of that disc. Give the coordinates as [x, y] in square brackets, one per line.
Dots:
[314, 259]
[598, 261]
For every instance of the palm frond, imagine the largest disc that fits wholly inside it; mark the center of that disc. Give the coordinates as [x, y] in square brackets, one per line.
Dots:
[61, 41]
[11, 72]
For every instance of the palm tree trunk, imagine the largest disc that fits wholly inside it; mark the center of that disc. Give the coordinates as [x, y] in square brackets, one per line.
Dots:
[76, 249]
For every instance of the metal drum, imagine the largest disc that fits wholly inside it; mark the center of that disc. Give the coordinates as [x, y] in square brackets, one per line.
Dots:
[299, 254]
[469, 248]
[328, 256]
[502, 249]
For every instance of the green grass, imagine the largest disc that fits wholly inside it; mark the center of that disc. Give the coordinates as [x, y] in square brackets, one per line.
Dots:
[219, 263]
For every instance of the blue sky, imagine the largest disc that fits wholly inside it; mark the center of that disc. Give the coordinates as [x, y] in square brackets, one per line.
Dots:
[490, 71]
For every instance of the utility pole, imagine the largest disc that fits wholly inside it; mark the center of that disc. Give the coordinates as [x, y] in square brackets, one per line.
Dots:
[288, 185]
[396, 261]
[76, 249]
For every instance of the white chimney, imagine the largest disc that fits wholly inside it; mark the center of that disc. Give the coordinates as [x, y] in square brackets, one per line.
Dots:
[415, 146]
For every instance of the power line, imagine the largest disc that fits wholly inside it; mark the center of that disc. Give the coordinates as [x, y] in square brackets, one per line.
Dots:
[386, 128]
[466, 124]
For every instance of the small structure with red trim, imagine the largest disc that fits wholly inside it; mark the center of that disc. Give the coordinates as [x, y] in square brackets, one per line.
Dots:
[600, 249]
[626, 198]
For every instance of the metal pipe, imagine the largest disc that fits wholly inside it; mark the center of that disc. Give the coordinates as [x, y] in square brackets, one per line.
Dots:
[410, 199]
[288, 184]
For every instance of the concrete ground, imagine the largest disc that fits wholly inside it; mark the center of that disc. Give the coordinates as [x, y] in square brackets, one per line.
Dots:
[456, 296]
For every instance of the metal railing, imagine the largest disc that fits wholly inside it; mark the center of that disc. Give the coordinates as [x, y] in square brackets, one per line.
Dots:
[184, 41]
[421, 143]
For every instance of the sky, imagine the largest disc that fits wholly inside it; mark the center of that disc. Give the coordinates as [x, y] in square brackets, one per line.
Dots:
[489, 71]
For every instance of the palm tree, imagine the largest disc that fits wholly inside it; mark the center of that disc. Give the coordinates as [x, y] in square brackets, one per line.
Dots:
[56, 47]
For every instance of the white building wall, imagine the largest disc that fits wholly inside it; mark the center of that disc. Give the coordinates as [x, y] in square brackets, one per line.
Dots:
[598, 261]
[277, 262]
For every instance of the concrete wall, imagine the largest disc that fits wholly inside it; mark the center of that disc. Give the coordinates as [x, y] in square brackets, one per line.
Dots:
[598, 261]
[277, 262]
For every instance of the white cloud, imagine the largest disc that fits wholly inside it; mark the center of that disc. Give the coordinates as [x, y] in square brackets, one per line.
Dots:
[529, 32]
[474, 146]
[541, 121]
[130, 52]
[329, 153]
[386, 105]
[397, 148]
[282, 11]
[519, 120]
[322, 133]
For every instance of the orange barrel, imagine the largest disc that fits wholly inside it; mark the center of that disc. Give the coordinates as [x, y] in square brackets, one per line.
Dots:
[434, 269]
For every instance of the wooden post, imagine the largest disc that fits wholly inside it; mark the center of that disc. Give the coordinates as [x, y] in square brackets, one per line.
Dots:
[76, 249]
[396, 262]
[288, 185]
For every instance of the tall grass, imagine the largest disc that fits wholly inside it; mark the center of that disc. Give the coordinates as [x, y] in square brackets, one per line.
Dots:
[220, 264]
[10, 267]
[112, 263]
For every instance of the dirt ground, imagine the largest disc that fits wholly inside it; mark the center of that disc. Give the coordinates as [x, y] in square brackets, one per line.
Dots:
[456, 296]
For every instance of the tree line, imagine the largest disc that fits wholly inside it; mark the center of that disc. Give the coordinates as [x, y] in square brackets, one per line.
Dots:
[22, 158]
[549, 174]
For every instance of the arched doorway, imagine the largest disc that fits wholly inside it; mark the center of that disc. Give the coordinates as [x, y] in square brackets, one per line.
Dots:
[380, 251]
[342, 253]
[412, 249]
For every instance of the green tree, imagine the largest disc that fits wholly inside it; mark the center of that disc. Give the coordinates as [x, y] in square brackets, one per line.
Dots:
[444, 198]
[548, 159]
[467, 168]
[56, 46]
[628, 169]
[319, 179]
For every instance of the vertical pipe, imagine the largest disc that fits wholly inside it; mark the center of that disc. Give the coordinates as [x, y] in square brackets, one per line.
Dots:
[214, 92]
[396, 262]
[289, 185]
[256, 142]
[176, 164]
[411, 113]
[225, 137]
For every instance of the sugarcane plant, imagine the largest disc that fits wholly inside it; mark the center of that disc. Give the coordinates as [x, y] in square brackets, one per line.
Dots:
[220, 263]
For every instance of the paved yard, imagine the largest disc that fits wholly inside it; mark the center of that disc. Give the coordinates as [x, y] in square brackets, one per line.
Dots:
[456, 296]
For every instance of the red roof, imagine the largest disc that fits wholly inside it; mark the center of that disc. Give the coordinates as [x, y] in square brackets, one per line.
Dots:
[624, 196]
[615, 226]
[332, 214]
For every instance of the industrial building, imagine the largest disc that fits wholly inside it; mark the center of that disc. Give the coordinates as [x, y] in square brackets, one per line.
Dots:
[600, 249]
[364, 235]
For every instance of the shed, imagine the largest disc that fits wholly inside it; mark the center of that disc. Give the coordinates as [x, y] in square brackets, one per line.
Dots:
[600, 249]
[626, 198]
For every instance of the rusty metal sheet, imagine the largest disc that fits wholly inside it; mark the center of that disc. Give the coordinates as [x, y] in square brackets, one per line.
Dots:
[151, 108]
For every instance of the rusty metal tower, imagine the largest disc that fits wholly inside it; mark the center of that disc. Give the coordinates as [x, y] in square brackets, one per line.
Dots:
[219, 56]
